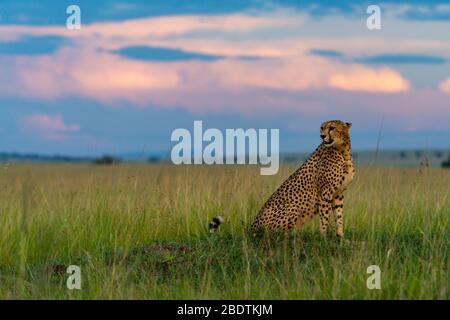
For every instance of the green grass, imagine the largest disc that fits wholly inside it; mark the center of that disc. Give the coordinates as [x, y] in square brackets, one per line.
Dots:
[140, 232]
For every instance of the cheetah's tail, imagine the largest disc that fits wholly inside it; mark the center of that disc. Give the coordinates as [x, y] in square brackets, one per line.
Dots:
[215, 224]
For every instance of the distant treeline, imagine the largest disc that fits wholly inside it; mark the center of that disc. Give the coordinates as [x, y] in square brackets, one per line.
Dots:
[31, 157]
[400, 158]
[390, 157]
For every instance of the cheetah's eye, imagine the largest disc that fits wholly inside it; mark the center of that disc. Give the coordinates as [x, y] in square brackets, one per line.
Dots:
[331, 128]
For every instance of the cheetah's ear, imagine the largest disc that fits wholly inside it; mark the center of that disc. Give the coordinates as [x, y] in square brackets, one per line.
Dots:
[349, 124]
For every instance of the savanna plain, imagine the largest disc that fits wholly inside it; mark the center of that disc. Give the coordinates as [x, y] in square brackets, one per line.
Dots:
[140, 231]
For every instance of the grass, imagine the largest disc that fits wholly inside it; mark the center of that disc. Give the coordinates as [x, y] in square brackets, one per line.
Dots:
[140, 232]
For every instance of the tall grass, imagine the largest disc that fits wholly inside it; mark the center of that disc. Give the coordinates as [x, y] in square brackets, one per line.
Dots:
[140, 231]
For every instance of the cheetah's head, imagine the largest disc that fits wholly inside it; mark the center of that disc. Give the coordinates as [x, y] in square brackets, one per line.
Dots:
[335, 133]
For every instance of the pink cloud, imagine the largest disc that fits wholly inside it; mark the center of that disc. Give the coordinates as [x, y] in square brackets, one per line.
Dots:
[445, 86]
[363, 79]
[110, 79]
[47, 126]
[156, 27]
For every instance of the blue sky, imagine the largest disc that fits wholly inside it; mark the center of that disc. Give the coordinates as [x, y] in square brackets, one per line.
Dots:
[136, 70]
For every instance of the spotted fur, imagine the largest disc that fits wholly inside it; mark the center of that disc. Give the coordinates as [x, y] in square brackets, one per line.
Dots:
[317, 187]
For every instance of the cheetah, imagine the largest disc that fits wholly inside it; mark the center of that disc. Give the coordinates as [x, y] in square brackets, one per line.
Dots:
[317, 187]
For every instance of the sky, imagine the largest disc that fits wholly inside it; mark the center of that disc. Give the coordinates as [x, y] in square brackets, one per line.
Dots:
[136, 70]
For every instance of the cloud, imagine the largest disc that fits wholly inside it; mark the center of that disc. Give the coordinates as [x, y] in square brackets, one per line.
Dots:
[163, 26]
[97, 75]
[362, 79]
[402, 59]
[148, 53]
[445, 86]
[111, 78]
[47, 126]
[384, 58]
[326, 53]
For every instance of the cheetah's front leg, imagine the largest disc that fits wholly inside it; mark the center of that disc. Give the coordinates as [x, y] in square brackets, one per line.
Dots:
[338, 205]
[325, 206]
